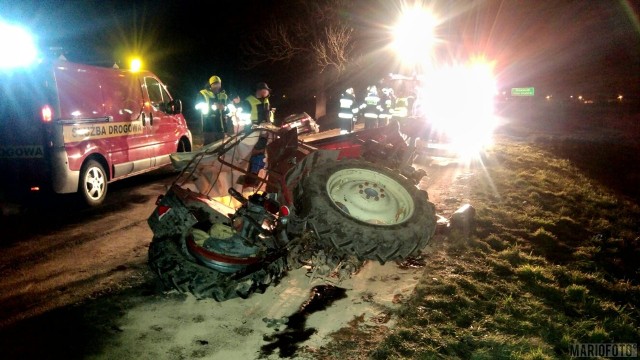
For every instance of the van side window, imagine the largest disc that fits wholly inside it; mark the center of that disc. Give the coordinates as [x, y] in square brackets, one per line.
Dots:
[154, 89]
[165, 94]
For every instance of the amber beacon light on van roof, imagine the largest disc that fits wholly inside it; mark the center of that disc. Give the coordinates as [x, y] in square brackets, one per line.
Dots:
[135, 64]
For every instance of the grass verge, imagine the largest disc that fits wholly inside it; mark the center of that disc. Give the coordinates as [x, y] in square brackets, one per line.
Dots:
[553, 262]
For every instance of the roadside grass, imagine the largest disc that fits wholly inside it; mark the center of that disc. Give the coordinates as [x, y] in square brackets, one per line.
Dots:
[554, 261]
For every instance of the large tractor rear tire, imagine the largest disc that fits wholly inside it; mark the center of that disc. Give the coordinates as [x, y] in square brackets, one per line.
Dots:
[181, 272]
[366, 210]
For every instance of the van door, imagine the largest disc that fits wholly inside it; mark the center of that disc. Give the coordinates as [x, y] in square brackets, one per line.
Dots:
[123, 99]
[164, 134]
[100, 111]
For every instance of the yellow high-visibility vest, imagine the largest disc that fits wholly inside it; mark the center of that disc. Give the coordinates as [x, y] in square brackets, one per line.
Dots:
[255, 102]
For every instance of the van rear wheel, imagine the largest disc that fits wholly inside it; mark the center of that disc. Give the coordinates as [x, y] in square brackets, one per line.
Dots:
[93, 183]
[184, 145]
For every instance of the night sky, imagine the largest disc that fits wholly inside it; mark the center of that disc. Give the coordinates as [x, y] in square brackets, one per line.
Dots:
[560, 46]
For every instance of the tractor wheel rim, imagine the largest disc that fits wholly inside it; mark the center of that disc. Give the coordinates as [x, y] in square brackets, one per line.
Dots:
[370, 196]
[94, 183]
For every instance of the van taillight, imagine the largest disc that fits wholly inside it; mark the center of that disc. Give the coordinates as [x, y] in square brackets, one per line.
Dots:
[47, 113]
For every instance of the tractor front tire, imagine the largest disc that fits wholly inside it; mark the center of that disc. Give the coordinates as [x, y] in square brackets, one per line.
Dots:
[366, 210]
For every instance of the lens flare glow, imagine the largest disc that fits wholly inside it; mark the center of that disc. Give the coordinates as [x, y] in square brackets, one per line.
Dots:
[414, 34]
[18, 47]
[458, 104]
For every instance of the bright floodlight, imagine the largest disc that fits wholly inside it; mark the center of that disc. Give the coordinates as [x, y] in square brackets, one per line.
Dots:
[17, 47]
[458, 102]
[136, 65]
[414, 35]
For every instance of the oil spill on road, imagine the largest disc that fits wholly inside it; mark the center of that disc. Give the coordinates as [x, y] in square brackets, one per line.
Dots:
[288, 341]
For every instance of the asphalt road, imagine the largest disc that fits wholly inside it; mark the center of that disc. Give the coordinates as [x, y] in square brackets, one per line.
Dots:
[57, 252]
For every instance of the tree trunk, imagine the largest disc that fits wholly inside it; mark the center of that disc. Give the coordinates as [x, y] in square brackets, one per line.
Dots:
[320, 97]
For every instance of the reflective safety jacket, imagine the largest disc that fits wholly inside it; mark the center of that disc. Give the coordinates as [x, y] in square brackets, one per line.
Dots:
[401, 110]
[348, 106]
[387, 105]
[371, 106]
[259, 110]
[214, 120]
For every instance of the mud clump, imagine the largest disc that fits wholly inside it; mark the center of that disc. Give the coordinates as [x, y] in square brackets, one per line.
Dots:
[417, 262]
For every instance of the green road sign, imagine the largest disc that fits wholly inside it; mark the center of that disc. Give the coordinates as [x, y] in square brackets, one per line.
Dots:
[527, 91]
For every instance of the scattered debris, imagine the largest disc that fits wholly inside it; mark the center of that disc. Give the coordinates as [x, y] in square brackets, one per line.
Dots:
[274, 323]
[416, 262]
[463, 219]
[397, 298]
[367, 297]
[442, 224]
[382, 318]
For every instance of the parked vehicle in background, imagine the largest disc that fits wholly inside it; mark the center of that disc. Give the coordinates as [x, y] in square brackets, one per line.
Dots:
[302, 122]
[71, 127]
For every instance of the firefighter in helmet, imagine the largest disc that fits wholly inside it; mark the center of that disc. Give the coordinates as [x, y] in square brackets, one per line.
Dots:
[212, 104]
[371, 108]
[387, 101]
[348, 110]
[401, 109]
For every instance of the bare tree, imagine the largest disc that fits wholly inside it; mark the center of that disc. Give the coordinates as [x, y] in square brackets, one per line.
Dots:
[318, 36]
[335, 50]
[277, 43]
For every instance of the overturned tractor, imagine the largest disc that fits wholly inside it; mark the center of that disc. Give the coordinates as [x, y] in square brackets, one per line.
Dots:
[225, 230]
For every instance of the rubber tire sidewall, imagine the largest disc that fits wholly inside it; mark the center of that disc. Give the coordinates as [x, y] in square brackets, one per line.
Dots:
[354, 237]
[81, 185]
[178, 271]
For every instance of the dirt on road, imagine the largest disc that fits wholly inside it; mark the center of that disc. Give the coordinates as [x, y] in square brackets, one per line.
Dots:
[56, 253]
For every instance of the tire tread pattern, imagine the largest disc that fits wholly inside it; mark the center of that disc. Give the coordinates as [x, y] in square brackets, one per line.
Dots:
[177, 271]
[353, 237]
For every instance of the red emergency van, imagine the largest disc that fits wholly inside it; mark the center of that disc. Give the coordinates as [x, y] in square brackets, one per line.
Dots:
[72, 127]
